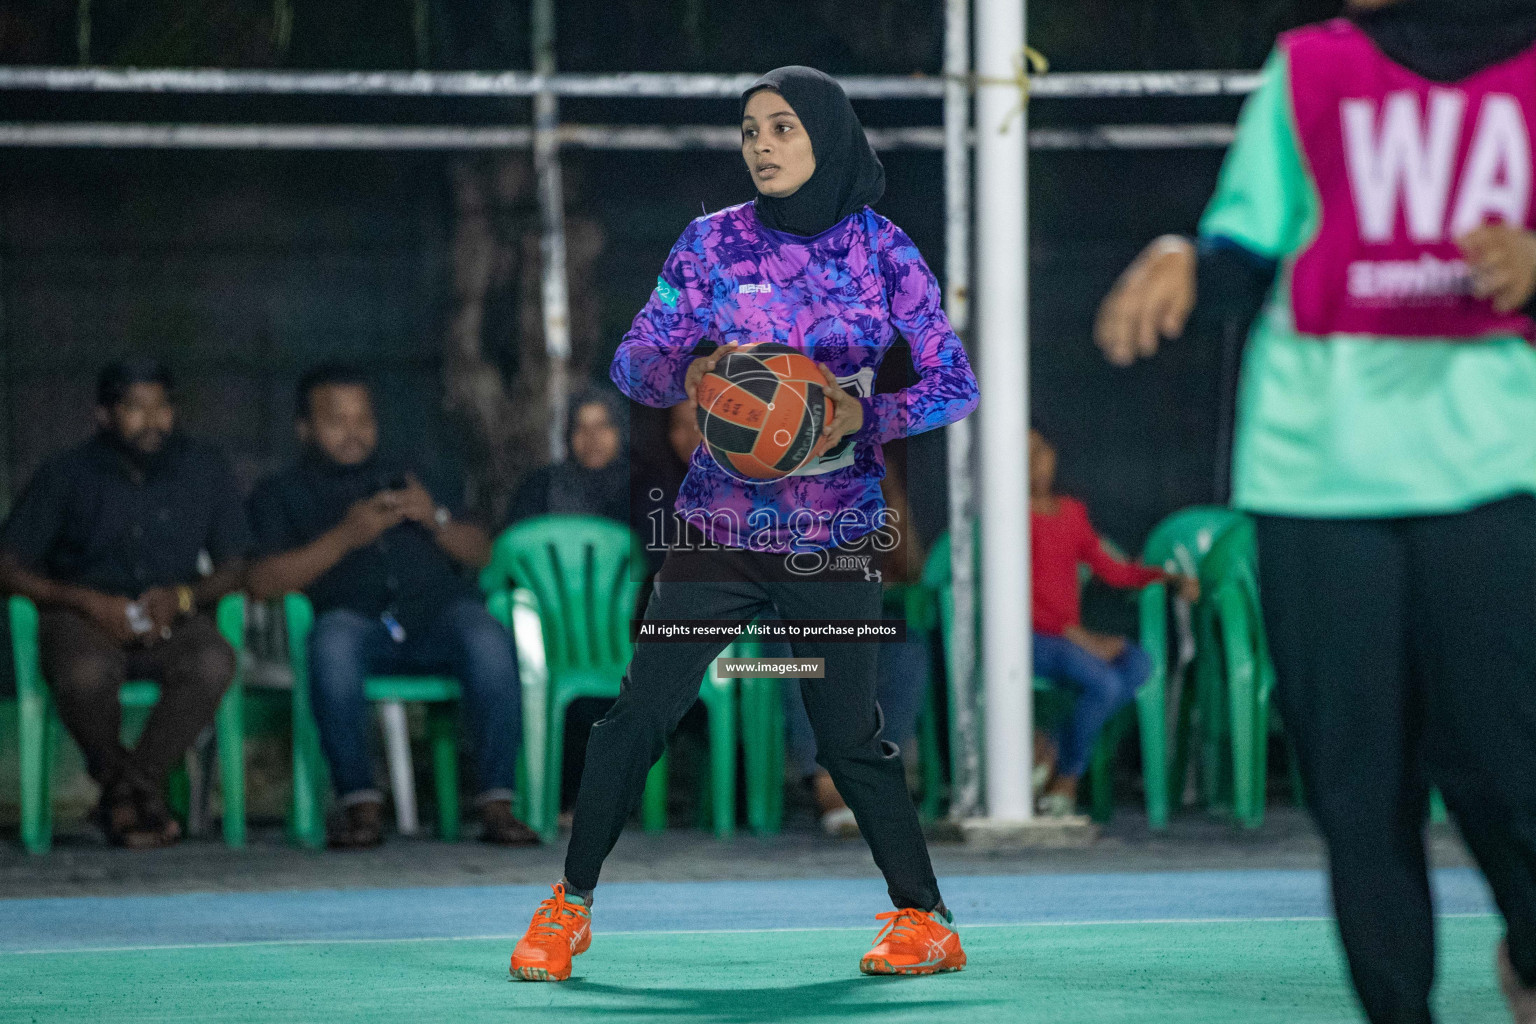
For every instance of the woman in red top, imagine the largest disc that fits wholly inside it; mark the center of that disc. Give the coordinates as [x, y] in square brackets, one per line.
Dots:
[1106, 671]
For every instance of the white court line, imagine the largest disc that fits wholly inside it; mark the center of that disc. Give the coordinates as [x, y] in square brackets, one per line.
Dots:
[679, 931]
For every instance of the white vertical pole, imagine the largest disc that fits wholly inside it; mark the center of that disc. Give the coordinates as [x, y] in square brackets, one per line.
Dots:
[546, 165]
[1003, 342]
[402, 776]
[965, 744]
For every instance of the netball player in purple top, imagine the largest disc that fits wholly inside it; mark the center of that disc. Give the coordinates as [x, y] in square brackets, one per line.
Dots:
[807, 264]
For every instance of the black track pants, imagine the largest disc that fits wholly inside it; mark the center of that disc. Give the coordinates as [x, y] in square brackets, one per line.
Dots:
[663, 681]
[1405, 657]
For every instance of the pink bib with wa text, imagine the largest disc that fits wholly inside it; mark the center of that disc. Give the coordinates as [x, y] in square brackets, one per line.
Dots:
[1404, 166]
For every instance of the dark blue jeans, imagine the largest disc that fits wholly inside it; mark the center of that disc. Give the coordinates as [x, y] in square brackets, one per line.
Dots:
[464, 641]
[1103, 688]
[901, 679]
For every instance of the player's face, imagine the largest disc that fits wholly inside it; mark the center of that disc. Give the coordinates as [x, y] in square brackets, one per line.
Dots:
[142, 419]
[341, 423]
[683, 429]
[1042, 464]
[775, 146]
[595, 438]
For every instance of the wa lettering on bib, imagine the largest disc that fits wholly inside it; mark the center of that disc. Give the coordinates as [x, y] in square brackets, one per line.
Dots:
[1403, 167]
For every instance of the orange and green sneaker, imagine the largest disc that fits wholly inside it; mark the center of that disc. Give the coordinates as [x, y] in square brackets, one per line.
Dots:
[914, 942]
[561, 929]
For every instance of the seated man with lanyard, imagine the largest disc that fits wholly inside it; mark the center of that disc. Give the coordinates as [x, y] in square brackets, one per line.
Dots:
[383, 560]
[107, 540]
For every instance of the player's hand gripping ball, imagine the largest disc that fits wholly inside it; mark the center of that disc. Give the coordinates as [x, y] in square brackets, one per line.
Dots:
[761, 411]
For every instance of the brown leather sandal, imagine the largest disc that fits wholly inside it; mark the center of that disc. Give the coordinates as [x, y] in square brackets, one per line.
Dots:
[116, 813]
[498, 825]
[361, 826]
[157, 826]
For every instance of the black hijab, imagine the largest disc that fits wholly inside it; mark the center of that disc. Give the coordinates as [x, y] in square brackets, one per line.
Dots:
[848, 175]
[1447, 40]
[576, 490]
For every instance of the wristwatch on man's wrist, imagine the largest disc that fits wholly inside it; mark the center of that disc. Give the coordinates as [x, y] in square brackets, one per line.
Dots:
[441, 517]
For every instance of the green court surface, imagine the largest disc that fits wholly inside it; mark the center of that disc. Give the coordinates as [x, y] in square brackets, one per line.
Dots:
[1285, 971]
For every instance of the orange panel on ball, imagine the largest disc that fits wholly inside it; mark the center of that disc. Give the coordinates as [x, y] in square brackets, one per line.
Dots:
[761, 411]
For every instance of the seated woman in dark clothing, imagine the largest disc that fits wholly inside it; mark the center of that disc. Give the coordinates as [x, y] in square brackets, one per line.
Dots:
[594, 480]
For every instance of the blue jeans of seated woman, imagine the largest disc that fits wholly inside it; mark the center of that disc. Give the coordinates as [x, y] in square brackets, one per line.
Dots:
[1102, 687]
[464, 641]
[901, 679]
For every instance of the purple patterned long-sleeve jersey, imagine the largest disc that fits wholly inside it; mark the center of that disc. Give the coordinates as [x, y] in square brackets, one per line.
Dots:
[840, 297]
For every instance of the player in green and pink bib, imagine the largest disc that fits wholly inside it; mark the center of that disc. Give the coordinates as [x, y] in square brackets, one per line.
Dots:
[1376, 208]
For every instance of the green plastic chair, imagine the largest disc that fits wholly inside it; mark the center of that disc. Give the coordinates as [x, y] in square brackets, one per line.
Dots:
[1182, 540]
[1234, 678]
[584, 575]
[717, 795]
[762, 745]
[1232, 675]
[38, 727]
[441, 695]
[1180, 544]
[1238, 694]
[1229, 582]
[1149, 709]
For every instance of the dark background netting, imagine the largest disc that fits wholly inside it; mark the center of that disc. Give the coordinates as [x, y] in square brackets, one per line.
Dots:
[243, 268]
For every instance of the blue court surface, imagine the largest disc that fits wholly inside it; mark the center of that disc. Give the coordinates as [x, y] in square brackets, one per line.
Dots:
[1186, 946]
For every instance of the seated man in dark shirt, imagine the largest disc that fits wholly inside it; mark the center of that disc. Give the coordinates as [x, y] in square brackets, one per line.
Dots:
[383, 560]
[107, 540]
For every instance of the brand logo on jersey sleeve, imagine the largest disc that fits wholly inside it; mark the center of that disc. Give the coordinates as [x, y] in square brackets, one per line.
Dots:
[666, 293]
